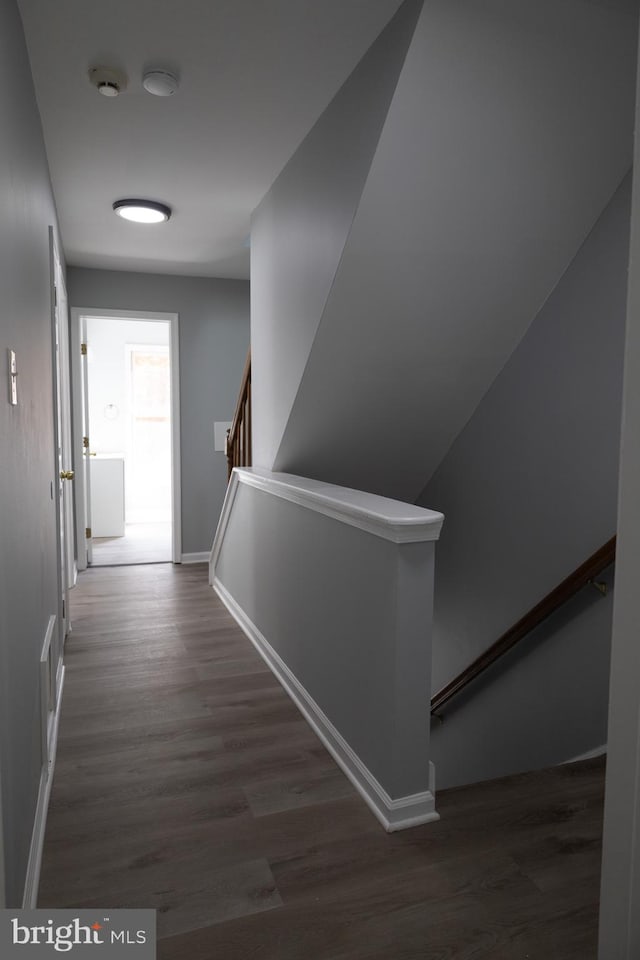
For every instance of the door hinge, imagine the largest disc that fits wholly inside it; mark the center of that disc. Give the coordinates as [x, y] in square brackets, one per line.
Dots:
[87, 533]
[85, 442]
[55, 295]
[83, 349]
[64, 610]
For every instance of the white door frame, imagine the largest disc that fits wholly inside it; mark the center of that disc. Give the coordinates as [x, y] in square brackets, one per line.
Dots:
[62, 439]
[176, 500]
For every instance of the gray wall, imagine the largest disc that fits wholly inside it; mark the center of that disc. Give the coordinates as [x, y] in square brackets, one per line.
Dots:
[529, 490]
[510, 127]
[214, 339]
[28, 554]
[299, 230]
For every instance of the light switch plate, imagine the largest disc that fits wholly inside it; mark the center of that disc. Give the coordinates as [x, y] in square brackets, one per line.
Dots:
[13, 377]
[220, 434]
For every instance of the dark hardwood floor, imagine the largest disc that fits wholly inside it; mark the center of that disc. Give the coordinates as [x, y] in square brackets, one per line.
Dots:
[187, 781]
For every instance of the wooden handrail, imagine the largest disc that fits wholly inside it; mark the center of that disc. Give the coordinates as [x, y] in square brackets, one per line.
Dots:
[584, 574]
[238, 445]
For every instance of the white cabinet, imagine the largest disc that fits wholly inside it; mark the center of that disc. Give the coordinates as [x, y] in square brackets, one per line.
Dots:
[107, 497]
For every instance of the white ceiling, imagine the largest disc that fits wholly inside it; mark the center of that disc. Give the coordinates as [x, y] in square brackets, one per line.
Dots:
[255, 75]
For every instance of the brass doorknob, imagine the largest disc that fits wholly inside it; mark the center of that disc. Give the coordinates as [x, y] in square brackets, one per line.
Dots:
[67, 474]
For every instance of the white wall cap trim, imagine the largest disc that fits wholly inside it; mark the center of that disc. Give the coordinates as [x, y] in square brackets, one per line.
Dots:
[390, 519]
[32, 879]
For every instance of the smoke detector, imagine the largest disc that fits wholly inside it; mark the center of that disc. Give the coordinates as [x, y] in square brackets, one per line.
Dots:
[108, 82]
[160, 83]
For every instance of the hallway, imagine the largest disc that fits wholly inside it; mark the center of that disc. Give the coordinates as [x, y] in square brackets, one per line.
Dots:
[187, 781]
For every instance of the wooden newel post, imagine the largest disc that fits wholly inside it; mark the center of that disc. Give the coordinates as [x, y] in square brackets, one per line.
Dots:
[229, 453]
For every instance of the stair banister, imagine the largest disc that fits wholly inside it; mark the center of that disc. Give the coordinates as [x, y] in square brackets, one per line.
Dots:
[582, 575]
[238, 443]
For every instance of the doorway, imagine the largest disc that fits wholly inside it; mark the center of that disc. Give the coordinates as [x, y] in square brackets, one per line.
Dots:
[126, 437]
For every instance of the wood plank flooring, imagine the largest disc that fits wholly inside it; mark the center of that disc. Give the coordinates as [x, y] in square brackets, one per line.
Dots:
[187, 781]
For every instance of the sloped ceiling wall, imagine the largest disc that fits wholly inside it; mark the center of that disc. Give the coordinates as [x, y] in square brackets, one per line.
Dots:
[508, 131]
[299, 231]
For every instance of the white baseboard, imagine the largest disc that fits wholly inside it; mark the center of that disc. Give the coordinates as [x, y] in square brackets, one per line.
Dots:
[32, 881]
[393, 814]
[589, 755]
[196, 557]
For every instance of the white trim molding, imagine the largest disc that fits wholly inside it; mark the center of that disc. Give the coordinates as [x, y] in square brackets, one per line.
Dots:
[48, 691]
[52, 683]
[393, 814]
[389, 519]
[196, 557]
[223, 522]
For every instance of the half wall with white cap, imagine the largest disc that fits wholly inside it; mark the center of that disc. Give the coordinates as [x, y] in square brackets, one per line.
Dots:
[335, 589]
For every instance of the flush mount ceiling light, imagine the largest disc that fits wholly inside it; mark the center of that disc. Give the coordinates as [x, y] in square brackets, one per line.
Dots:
[142, 211]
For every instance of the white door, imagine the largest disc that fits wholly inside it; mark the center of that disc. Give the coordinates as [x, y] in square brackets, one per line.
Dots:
[81, 438]
[71, 570]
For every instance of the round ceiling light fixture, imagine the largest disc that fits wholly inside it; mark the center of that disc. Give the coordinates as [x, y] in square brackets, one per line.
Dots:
[142, 211]
[160, 83]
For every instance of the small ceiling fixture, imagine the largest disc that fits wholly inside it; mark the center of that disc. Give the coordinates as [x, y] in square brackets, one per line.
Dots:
[142, 211]
[160, 83]
[107, 81]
